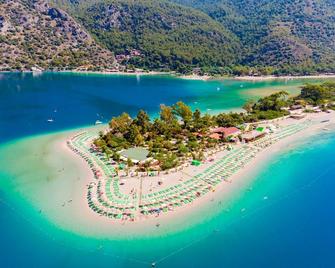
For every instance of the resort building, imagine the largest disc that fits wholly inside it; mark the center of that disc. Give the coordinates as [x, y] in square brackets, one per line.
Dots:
[225, 132]
[215, 136]
[298, 116]
[252, 135]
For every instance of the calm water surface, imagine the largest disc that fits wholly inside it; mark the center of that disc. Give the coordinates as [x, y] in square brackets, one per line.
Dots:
[27, 102]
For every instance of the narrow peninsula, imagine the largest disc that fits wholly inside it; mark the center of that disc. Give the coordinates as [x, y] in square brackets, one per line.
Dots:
[144, 168]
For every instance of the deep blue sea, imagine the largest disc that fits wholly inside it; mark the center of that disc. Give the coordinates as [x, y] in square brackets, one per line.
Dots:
[293, 227]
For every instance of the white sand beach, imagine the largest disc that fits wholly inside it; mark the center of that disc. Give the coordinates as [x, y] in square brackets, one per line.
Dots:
[285, 77]
[196, 77]
[62, 199]
[135, 73]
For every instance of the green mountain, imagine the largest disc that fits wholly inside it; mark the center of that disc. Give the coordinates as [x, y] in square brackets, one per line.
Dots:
[33, 34]
[219, 36]
[277, 33]
[166, 35]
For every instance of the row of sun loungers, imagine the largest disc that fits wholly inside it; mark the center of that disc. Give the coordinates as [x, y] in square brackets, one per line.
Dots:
[197, 186]
[104, 195]
[280, 134]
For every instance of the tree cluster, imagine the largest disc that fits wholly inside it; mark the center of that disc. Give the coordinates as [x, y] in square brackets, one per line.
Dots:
[179, 132]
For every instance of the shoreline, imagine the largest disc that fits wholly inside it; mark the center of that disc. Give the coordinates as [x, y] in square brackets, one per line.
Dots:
[140, 73]
[285, 77]
[236, 180]
[149, 73]
[256, 78]
[73, 176]
[187, 77]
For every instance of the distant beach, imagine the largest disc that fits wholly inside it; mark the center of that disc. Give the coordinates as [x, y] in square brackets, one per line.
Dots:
[256, 78]
[117, 73]
[196, 77]
[284, 77]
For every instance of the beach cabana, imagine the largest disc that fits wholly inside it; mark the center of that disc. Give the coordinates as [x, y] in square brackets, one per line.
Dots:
[121, 166]
[196, 163]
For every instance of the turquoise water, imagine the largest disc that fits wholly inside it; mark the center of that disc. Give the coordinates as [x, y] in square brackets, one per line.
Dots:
[27, 102]
[294, 227]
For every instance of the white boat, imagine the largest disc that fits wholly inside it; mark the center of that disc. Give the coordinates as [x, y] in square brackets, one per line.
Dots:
[36, 70]
[98, 122]
[50, 120]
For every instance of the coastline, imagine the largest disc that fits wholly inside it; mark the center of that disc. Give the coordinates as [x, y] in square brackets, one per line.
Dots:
[285, 77]
[69, 175]
[256, 78]
[187, 77]
[136, 73]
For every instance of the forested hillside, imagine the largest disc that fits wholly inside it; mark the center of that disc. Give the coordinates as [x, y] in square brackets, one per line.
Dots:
[164, 35]
[278, 33]
[219, 36]
[33, 34]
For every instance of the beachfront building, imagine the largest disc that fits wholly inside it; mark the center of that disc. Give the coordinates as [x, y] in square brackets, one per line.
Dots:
[225, 133]
[298, 116]
[253, 135]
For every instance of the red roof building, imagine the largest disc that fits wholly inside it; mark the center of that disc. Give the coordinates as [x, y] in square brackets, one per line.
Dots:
[215, 136]
[226, 132]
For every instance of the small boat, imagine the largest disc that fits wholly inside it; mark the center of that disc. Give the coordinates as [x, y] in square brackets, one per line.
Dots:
[35, 69]
[50, 120]
[98, 122]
